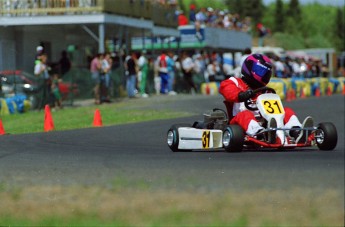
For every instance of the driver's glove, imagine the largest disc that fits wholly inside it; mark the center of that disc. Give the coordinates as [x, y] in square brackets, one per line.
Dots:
[244, 95]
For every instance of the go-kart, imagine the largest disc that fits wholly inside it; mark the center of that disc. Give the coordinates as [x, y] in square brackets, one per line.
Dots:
[215, 132]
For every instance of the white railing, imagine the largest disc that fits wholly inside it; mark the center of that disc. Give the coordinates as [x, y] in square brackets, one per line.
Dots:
[13, 8]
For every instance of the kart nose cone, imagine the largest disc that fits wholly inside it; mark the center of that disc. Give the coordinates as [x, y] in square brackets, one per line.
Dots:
[170, 138]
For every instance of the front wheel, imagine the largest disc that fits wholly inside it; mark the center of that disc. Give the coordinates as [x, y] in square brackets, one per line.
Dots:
[326, 136]
[233, 138]
[173, 136]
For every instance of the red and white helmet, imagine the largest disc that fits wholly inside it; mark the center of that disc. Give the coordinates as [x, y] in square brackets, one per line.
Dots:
[256, 70]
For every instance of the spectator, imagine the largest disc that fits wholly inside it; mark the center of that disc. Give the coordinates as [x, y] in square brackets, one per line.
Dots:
[200, 66]
[41, 71]
[171, 73]
[143, 71]
[279, 68]
[201, 16]
[324, 70]
[162, 63]
[95, 69]
[262, 33]
[296, 69]
[213, 71]
[182, 19]
[288, 68]
[56, 91]
[192, 14]
[64, 63]
[39, 52]
[131, 66]
[211, 16]
[106, 65]
[187, 70]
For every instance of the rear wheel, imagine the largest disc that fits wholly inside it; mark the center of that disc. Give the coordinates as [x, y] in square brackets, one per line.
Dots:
[173, 136]
[233, 138]
[326, 136]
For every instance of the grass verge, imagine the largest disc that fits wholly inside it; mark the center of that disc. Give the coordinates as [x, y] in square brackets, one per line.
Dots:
[82, 117]
[96, 206]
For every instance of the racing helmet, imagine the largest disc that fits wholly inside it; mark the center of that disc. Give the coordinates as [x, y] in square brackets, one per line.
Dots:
[256, 70]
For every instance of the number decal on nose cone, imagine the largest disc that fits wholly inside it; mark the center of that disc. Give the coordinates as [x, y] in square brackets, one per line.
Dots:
[273, 107]
[206, 139]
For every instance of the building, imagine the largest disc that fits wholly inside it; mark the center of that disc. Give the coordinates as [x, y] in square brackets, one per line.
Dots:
[83, 26]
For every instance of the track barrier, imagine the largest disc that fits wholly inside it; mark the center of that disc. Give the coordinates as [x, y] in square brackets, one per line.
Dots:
[289, 89]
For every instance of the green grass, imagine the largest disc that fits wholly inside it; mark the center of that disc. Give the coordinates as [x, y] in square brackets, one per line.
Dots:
[99, 206]
[82, 117]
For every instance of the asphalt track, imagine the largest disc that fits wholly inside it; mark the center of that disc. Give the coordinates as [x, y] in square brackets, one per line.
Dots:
[137, 154]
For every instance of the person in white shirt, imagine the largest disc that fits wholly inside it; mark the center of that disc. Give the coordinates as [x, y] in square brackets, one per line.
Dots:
[143, 71]
[279, 68]
[187, 69]
[41, 71]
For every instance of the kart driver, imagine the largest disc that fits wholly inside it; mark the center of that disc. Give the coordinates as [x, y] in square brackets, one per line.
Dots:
[256, 73]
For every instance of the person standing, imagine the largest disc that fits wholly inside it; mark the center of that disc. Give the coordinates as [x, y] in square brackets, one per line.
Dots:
[64, 63]
[95, 69]
[171, 73]
[143, 71]
[187, 69]
[163, 72]
[132, 75]
[56, 91]
[41, 71]
[105, 78]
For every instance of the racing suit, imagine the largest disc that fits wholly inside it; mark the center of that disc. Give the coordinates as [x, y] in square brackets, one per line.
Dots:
[230, 89]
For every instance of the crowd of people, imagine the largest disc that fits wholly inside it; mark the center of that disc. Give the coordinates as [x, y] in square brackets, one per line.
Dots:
[174, 72]
[213, 18]
[166, 73]
[299, 67]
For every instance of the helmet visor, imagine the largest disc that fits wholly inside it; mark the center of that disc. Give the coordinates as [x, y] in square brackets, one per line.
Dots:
[260, 69]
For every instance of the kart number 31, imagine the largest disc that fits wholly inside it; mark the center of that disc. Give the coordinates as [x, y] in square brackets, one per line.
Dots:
[273, 107]
[206, 139]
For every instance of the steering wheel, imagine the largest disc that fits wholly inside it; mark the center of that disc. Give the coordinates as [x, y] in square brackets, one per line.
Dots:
[250, 104]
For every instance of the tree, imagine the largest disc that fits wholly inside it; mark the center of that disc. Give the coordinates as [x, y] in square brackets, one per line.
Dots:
[279, 22]
[339, 26]
[294, 10]
[251, 8]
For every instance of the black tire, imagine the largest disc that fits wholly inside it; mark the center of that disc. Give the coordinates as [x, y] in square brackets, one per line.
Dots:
[173, 136]
[233, 138]
[326, 136]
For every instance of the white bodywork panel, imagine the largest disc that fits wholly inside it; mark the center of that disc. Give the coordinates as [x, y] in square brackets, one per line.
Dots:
[192, 138]
[270, 106]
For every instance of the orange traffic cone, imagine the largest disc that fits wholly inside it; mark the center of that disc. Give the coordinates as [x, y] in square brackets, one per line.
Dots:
[2, 130]
[302, 95]
[317, 92]
[288, 95]
[48, 119]
[208, 90]
[343, 90]
[329, 91]
[293, 94]
[97, 119]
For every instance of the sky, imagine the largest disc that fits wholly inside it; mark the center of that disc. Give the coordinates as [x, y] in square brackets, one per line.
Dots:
[324, 2]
